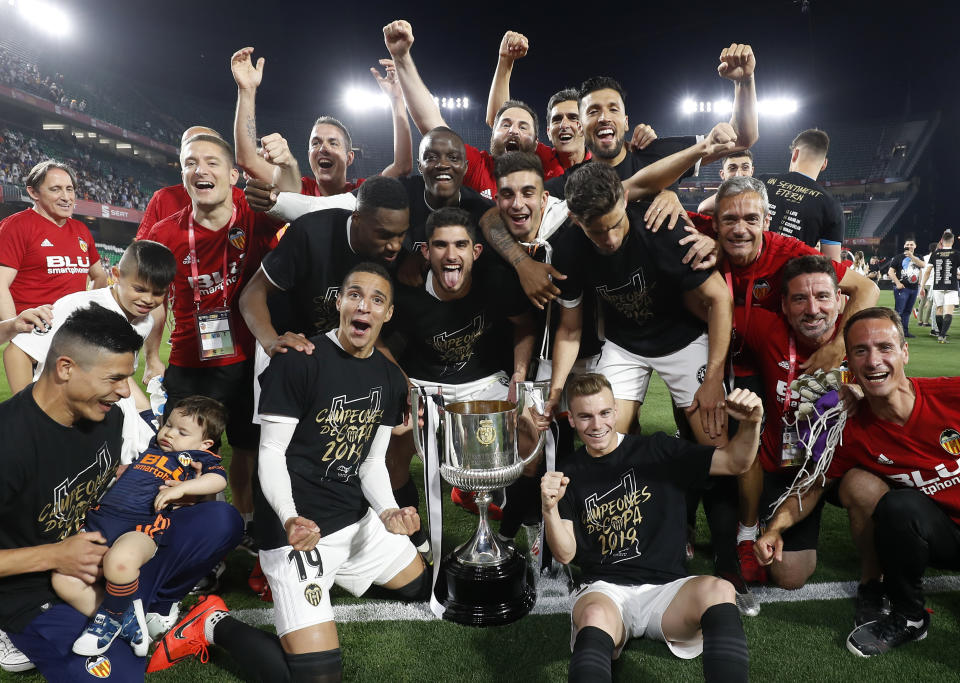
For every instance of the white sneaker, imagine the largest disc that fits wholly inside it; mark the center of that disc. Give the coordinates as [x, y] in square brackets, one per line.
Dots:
[11, 659]
[158, 624]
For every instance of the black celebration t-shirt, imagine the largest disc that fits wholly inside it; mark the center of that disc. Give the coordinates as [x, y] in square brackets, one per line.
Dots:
[339, 401]
[628, 508]
[639, 287]
[51, 475]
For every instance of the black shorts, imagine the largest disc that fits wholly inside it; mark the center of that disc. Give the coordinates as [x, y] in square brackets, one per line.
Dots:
[232, 385]
[804, 535]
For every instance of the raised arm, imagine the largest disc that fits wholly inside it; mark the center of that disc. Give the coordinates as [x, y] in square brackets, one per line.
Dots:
[248, 77]
[737, 63]
[559, 531]
[402, 144]
[398, 37]
[738, 454]
[513, 46]
[664, 172]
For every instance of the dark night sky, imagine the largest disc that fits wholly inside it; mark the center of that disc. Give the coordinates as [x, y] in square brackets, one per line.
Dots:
[843, 60]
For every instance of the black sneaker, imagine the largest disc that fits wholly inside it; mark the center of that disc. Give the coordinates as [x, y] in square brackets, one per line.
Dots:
[887, 632]
[870, 603]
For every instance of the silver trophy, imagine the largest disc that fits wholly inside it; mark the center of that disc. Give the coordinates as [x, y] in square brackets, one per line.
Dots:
[486, 580]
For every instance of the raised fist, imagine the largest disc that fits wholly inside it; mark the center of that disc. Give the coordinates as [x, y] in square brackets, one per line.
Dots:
[737, 62]
[398, 37]
[514, 45]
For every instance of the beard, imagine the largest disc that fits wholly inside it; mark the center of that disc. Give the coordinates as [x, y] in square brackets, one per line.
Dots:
[603, 153]
[498, 146]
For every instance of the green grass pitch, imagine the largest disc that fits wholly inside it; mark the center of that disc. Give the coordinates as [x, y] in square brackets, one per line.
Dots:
[789, 641]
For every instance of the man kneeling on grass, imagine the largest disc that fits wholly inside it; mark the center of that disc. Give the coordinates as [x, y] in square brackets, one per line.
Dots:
[619, 510]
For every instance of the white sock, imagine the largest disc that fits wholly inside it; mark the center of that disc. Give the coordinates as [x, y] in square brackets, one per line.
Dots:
[213, 620]
[747, 533]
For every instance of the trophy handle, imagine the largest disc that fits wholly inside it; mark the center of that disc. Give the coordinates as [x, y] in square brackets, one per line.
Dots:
[415, 419]
[537, 450]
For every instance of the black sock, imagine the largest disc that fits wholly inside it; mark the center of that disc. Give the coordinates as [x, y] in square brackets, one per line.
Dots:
[725, 655]
[253, 650]
[417, 590]
[408, 496]
[947, 319]
[592, 656]
[519, 496]
[119, 596]
[940, 325]
[316, 667]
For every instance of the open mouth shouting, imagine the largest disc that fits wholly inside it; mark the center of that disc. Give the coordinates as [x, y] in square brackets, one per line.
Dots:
[360, 328]
[875, 378]
[512, 144]
[606, 135]
[519, 222]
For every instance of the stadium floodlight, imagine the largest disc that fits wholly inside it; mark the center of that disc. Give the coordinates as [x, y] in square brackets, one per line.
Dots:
[359, 99]
[451, 102]
[124, 145]
[722, 106]
[778, 106]
[46, 17]
[53, 126]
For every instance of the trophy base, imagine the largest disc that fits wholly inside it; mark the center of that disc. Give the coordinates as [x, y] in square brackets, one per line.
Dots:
[490, 595]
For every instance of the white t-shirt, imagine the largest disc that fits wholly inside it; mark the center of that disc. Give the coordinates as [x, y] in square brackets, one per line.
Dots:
[36, 345]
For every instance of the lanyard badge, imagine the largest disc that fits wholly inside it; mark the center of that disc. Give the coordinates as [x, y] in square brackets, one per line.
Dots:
[214, 328]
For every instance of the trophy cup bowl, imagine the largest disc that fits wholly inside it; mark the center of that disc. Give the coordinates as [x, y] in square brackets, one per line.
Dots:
[486, 581]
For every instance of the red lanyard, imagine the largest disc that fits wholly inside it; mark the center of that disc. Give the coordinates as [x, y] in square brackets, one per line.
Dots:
[191, 238]
[791, 371]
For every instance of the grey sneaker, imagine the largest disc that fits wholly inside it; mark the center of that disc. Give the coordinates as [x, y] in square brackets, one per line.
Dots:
[158, 624]
[746, 601]
[11, 659]
[887, 632]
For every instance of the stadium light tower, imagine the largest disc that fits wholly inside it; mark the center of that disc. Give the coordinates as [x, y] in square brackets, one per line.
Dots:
[772, 107]
[361, 100]
[46, 17]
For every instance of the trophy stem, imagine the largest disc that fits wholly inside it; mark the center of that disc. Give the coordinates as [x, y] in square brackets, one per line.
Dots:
[483, 549]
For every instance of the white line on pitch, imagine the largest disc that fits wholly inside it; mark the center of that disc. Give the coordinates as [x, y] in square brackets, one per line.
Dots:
[552, 603]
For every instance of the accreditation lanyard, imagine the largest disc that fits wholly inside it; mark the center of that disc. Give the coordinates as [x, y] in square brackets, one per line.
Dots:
[192, 240]
[214, 328]
[790, 453]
